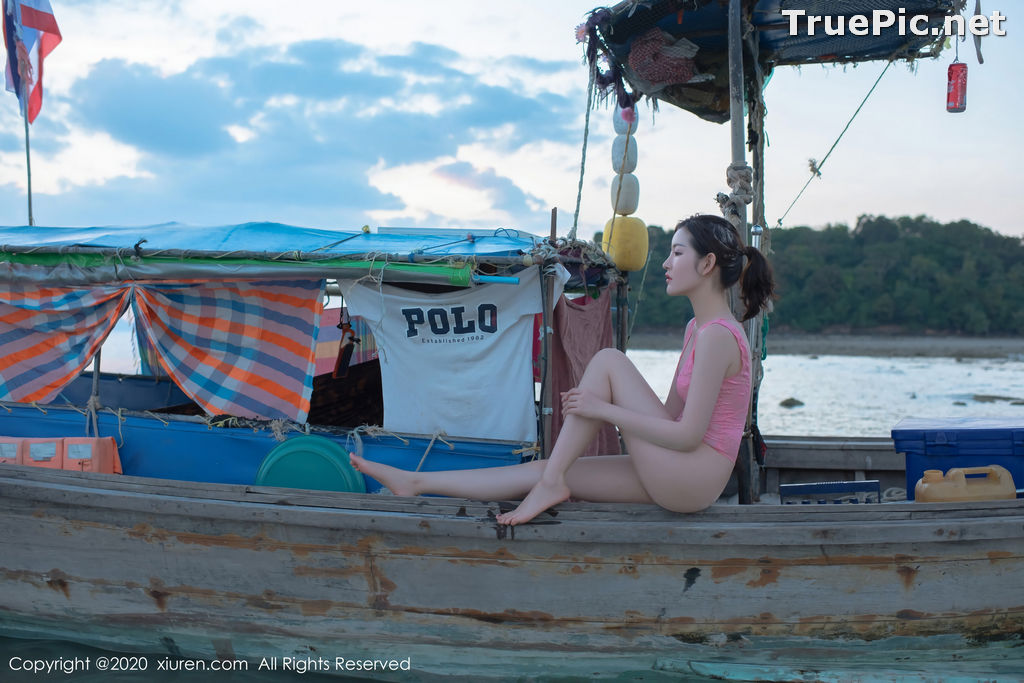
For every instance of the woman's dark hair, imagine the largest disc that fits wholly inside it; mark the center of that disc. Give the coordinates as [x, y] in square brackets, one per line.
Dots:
[715, 235]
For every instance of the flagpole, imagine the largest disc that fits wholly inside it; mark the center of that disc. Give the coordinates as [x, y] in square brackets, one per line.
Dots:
[28, 167]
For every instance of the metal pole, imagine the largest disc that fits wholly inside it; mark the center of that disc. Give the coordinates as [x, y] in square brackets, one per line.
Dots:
[28, 163]
[736, 120]
[94, 397]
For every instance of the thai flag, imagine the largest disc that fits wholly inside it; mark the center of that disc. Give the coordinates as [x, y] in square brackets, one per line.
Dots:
[30, 33]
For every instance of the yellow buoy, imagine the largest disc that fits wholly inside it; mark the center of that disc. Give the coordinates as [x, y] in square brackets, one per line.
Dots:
[625, 242]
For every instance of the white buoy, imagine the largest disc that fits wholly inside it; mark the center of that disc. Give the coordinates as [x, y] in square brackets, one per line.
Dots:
[624, 154]
[621, 126]
[625, 201]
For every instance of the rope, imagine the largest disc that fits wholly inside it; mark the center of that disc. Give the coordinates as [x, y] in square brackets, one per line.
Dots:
[740, 179]
[372, 430]
[121, 421]
[158, 418]
[815, 166]
[639, 295]
[354, 436]
[583, 157]
[533, 449]
[277, 428]
[91, 406]
[894, 494]
[435, 437]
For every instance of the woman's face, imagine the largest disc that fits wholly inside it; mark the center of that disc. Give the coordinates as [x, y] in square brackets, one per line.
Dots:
[681, 273]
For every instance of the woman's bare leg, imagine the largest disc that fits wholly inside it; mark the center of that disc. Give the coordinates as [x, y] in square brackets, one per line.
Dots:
[603, 478]
[491, 483]
[677, 481]
[612, 377]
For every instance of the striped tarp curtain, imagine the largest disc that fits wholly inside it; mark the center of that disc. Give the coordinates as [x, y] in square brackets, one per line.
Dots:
[49, 334]
[236, 348]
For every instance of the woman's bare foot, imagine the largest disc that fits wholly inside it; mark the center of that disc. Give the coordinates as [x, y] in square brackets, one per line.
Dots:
[542, 496]
[399, 482]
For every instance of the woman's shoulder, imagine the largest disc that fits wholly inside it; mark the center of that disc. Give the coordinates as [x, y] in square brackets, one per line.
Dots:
[720, 337]
[724, 325]
[719, 330]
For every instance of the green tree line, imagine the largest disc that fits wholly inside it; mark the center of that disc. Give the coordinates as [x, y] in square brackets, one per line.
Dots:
[906, 274]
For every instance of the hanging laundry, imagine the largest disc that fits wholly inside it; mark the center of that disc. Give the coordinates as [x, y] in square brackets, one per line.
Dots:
[432, 347]
[583, 327]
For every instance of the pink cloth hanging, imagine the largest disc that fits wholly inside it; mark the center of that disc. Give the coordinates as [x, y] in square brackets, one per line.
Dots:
[582, 328]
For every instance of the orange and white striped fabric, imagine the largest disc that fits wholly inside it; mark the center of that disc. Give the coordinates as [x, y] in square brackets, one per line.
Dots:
[236, 348]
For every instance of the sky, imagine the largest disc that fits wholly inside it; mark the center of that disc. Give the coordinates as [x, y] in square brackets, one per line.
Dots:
[465, 114]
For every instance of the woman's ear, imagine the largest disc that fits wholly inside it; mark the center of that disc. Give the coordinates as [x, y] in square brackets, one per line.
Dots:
[707, 263]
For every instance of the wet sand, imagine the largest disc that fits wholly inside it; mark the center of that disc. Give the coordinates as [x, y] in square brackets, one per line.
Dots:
[928, 346]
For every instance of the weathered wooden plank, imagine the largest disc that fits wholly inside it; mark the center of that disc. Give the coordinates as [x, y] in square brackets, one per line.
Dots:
[683, 529]
[463, 508]
[110, 554]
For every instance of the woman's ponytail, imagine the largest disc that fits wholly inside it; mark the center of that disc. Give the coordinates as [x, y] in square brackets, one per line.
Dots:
[757, 284]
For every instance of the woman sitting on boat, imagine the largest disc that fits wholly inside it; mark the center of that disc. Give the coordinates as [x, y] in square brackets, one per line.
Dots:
[680, 452]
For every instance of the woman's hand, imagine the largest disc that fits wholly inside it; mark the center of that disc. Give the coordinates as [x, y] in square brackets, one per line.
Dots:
[582, 403]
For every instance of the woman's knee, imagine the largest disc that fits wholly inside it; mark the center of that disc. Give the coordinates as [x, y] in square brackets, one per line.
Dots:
[609, 355]
[607, 362]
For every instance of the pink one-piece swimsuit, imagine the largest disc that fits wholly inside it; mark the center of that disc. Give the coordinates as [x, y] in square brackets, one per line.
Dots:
[725, 431]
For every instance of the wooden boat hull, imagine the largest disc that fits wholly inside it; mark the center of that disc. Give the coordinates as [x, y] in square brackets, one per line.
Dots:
[234, 572]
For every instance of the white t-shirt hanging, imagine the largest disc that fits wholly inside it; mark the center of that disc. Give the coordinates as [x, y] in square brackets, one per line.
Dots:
[459, 362]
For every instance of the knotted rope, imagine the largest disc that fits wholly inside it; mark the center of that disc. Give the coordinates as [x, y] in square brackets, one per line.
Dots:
[740, 178]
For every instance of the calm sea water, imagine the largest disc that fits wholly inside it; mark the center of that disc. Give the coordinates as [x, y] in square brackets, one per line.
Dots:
[866, 396]
[840, 396]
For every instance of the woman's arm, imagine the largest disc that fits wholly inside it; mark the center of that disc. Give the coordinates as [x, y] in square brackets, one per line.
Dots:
[716, 354]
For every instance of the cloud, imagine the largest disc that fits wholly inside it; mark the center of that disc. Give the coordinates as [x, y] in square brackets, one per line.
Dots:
[319, 131]
[180, 115]
[445, 187]
[75, 159]
[314, 70]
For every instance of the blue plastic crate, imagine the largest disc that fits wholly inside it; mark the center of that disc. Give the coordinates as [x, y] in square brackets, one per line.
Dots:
[945, 443]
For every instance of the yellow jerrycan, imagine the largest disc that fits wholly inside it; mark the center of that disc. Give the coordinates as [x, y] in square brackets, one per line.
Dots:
[955, 486]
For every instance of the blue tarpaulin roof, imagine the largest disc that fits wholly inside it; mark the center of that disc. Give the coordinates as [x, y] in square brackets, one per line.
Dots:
[83, 256]
[271, 238]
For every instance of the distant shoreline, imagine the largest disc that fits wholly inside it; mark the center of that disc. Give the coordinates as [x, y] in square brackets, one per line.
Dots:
[927, 346]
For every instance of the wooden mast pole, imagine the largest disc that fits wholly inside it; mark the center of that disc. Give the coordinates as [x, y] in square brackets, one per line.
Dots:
[747, 472]
[547, 406]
